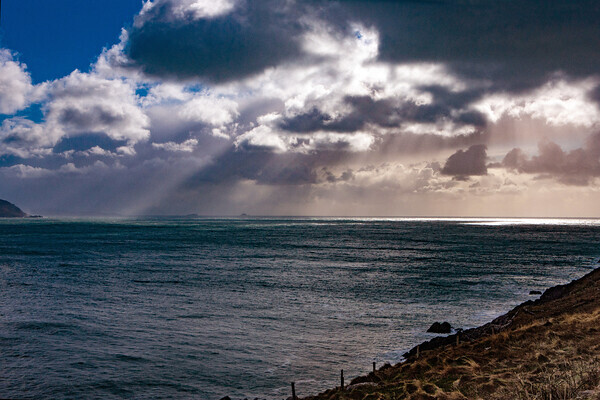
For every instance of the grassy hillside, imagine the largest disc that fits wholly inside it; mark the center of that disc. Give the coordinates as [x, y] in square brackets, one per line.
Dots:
[543, 349]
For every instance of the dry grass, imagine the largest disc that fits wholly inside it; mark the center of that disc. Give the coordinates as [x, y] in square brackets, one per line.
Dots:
[571, 380]
[551, 351]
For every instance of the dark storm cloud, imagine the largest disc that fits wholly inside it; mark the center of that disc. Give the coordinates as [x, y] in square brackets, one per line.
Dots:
[468, 162]
[254, 36]
[575, 167]
[385, 113]
[515, 44]
[89, 118]
[458, 99]
[87, 141]
[311, 121]
[595, 95]
[259, 165]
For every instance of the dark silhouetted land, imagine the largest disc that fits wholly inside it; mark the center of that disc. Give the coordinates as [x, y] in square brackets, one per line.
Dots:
[9, 210]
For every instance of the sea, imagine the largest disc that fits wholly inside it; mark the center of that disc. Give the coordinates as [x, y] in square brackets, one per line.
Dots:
[202, 308]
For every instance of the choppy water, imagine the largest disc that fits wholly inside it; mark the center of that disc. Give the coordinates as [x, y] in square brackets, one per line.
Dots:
[203, 308]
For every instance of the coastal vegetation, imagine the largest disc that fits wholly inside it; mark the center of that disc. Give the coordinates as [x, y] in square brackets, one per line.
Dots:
[548, 349]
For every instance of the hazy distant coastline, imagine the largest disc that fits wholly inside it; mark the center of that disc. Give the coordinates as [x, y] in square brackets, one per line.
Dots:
[9, 210]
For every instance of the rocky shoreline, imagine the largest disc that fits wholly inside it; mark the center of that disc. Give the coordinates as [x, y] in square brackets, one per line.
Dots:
[509, 357]
[499, 324]
[541, 349]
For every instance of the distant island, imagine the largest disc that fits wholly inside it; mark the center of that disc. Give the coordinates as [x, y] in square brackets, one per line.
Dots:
[9, 210]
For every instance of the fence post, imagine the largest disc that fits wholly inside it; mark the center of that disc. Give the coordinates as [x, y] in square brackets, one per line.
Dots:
[374, 369]
[293, 391]
[342, 379]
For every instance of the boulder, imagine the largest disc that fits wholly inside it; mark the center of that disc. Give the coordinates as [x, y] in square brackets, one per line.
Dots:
[535, 292]
[437, 327]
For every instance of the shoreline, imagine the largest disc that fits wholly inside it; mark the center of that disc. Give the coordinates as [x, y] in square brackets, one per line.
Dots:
[580, 296]
[497, 325]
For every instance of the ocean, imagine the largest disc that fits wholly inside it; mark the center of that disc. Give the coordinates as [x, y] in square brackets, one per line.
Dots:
[201, 308]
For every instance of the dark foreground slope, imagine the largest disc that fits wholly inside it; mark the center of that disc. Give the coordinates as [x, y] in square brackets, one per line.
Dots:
[543, 349]
[9, 210]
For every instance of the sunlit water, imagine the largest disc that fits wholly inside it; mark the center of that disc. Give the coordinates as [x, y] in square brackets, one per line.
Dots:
[203, 308]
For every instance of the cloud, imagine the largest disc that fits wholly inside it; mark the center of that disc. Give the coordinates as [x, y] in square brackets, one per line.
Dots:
[466, 163]
[338, 98]
[188, 146]
[514, 44]
[574, 167]
[87, 103]
[16, 89]
[558, 102]
[80, 104]
[302, 105]
[24, 171]
[595, 94]
[188, 9]
[210, 110]
[386, 113]
[267, 136]
[220, 42]
[19, 134]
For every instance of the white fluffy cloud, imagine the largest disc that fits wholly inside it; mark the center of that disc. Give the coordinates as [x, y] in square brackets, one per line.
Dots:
[84, 103]
[79, 104]
[559, 102]
[187, 147]
[210, 110]
[16, 89]
[24, 138]
[188, 9]
[203, 8]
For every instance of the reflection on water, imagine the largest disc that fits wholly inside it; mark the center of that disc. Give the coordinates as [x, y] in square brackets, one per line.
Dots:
[204, 308]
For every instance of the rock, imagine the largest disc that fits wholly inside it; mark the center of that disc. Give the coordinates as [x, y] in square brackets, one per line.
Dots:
[535, 292]
[436, 327]
[385, 366]
[555, 292]
[226, 398]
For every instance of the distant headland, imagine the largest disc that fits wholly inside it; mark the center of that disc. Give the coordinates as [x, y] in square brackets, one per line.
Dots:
[9, 210]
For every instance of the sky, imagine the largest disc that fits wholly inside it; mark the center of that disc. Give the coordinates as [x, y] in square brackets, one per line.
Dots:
[301, 107]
